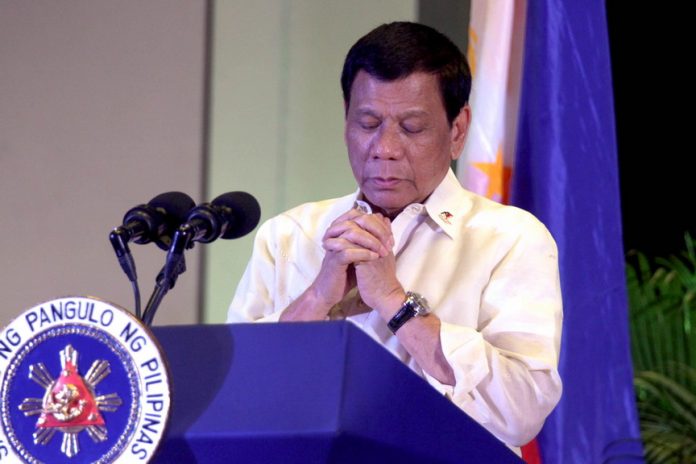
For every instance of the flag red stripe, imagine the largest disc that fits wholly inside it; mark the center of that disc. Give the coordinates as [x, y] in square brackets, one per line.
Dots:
[530, 453]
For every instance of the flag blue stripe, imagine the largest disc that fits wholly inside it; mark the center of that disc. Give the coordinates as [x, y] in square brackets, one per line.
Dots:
[566, 173]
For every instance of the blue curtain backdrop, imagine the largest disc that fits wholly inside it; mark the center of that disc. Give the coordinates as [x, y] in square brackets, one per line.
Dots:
[566, 174]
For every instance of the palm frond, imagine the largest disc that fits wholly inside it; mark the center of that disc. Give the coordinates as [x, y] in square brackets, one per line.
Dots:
[662, 304]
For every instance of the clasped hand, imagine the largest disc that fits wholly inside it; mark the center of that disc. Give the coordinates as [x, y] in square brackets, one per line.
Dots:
[359, 252]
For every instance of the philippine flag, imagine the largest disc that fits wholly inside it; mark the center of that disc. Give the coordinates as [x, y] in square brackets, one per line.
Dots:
[544, 140]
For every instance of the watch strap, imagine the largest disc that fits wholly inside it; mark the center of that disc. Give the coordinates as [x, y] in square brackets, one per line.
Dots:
[404, 313]
[415, 305]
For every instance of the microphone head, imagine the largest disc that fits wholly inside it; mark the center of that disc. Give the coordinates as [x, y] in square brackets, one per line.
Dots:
[174, 206]
[161, 217]
[241, 212]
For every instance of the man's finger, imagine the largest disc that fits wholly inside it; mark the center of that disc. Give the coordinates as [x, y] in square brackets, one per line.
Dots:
[343, 220]
[348, 252]
[358, 236]
[377, 226]
[348, 215]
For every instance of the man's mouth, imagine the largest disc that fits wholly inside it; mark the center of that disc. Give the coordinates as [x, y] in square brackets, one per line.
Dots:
[385, 182]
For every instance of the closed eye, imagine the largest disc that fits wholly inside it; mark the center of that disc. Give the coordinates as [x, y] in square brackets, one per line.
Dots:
[370, 124]
[412, 129]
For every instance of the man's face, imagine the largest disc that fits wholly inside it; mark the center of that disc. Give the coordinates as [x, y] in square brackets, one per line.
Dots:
[399, 142]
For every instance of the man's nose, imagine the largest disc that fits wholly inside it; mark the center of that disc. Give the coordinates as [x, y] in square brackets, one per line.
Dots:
[387, 143]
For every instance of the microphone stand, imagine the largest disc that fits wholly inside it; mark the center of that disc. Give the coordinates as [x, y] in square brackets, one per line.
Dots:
[174, 266]
[204, 224]
[119, 238]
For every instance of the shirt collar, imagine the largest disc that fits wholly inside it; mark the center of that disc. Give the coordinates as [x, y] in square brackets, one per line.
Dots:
[448, 203]
[446, 206]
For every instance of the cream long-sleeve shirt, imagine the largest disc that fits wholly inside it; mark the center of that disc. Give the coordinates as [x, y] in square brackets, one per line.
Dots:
[489, 272]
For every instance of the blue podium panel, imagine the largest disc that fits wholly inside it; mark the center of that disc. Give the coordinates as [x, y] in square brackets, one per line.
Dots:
[307, 393]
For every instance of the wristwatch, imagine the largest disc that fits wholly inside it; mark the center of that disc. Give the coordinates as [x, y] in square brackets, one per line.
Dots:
[415, 305]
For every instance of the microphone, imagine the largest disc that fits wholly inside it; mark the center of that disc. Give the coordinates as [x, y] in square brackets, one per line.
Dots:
[231, 215]
[156, 221]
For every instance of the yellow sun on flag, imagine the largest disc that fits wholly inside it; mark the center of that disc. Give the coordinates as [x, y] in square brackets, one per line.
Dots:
[471, 50]
[498, 178]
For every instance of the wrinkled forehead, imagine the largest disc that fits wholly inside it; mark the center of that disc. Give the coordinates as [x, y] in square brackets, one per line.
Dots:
[415, 94]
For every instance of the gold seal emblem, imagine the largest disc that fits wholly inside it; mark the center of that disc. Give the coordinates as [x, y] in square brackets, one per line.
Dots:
[70, 404]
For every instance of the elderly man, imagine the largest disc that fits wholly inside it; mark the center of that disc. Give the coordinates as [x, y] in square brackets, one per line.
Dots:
[463, 290]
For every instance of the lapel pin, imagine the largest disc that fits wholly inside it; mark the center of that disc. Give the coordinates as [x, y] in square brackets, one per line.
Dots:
[446, 216]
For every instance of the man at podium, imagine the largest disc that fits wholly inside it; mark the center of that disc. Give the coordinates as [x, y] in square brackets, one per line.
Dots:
[463, 290]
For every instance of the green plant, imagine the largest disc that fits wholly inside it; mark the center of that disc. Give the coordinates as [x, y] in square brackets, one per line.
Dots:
[662, 306]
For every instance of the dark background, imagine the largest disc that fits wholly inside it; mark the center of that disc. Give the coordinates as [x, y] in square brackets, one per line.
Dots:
[653, 103]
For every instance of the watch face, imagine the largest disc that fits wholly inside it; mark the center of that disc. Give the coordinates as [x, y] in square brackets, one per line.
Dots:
[420, 304]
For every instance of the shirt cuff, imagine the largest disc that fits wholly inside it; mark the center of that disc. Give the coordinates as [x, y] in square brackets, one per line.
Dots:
[464, 350]
[273, 317]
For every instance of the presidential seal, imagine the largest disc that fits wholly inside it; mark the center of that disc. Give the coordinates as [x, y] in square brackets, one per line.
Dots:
[81, 380]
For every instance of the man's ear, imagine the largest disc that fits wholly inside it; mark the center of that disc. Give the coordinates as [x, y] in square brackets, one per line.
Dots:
[345, 123]
[459, 130]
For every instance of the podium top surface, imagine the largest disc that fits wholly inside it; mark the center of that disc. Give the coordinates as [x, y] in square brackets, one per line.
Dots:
[315, 383]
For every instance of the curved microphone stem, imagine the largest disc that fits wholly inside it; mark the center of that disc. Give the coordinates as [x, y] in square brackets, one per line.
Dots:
[119, 241]
[174, 266]
[161, 289]
[136, 297]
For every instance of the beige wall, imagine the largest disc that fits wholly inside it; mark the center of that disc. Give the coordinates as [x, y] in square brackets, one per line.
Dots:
[100, 110]
[277, 113]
